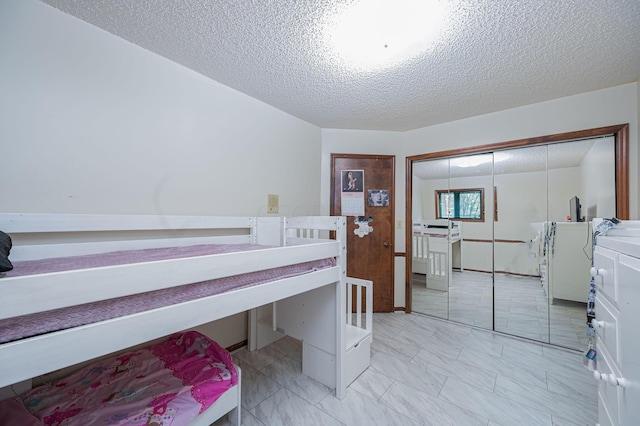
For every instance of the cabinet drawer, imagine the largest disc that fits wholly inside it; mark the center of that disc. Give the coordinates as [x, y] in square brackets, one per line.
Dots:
[358, 359]
[620, 398]
[608, 394]
[604, 273]
[607, 327]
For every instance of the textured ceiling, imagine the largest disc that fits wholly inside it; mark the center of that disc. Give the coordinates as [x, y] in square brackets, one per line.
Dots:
[492, 55]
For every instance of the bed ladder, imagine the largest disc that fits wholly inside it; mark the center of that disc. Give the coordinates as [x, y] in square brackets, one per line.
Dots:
[359, 327]
[265, 328]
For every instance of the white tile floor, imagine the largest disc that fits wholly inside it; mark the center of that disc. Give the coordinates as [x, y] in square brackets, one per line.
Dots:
[521, 307]
[424, 371]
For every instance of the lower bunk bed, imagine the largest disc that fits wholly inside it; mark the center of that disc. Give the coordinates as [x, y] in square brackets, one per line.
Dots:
[273, 243]
[186, 380]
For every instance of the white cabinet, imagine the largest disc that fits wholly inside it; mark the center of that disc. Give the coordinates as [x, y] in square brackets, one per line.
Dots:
[569, 260]
[617, 277]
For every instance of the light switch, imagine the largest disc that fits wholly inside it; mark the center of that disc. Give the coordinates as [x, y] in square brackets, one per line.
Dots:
[398, 224]
[273, 203]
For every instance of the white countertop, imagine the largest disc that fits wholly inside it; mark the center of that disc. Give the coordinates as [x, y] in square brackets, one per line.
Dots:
[629, 245]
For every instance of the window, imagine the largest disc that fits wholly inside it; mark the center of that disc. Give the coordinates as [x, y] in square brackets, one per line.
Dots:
[463, 204]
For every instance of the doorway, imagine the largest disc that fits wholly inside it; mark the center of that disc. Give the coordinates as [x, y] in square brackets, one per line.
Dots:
[362, 188]
[511, 278]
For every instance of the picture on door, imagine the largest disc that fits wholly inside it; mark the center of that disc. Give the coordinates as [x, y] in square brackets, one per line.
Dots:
[352, 194]
[352, 180]
[378, 198]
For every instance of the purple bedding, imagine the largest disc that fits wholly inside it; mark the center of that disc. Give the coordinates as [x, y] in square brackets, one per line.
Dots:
[58, 264]
[169, 383]
[44, 322]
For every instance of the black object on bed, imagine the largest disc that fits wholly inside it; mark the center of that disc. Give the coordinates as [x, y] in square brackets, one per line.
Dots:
[5, 248]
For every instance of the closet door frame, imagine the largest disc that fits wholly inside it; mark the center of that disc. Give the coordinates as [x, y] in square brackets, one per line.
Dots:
[620, 133]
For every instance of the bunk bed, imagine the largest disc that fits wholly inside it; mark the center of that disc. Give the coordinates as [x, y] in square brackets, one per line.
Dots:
[269, 244]
[434, 243]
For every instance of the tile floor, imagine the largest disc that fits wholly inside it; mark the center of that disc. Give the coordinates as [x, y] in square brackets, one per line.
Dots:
[424, 371]
[521, 307]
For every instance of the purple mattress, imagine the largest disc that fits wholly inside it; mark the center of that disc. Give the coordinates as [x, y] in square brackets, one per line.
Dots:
[73, 316]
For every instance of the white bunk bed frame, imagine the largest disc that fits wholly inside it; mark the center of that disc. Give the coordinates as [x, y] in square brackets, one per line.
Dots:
[298, 239]
[432, 251]
[271, 322]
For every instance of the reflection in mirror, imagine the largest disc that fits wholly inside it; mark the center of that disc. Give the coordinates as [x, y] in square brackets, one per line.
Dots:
[458, 203]
[581, 176]
[470, 291]
[528, 247]
[453, 282]
[520, 301]
[430, 292]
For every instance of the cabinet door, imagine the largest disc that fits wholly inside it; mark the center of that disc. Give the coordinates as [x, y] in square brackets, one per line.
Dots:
[605, 270]
[607, 330]
[609, 397]
[629, 334]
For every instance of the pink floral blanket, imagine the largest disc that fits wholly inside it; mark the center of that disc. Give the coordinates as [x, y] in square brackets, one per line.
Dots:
[166, 384]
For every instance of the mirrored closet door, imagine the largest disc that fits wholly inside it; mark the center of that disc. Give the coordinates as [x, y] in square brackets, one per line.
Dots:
[499, 238]
[430, 248]
[520, 179]
[449, 201]
[582, 186]
[471, 189]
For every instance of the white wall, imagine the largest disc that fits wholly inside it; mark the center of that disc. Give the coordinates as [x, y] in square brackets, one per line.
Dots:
[598, 186]
[563, 184]
[90, 123]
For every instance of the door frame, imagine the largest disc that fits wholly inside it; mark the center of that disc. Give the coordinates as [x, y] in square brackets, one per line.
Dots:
[620, 133]
[392, 204]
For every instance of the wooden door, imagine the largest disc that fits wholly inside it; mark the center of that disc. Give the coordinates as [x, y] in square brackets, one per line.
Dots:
[370, 187]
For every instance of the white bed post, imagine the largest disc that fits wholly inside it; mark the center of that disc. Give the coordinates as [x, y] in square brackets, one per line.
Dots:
[267, 231]
[341, 343]
[270, 230]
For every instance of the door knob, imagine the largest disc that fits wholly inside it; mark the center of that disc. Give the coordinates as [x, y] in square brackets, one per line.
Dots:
[386, 244]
